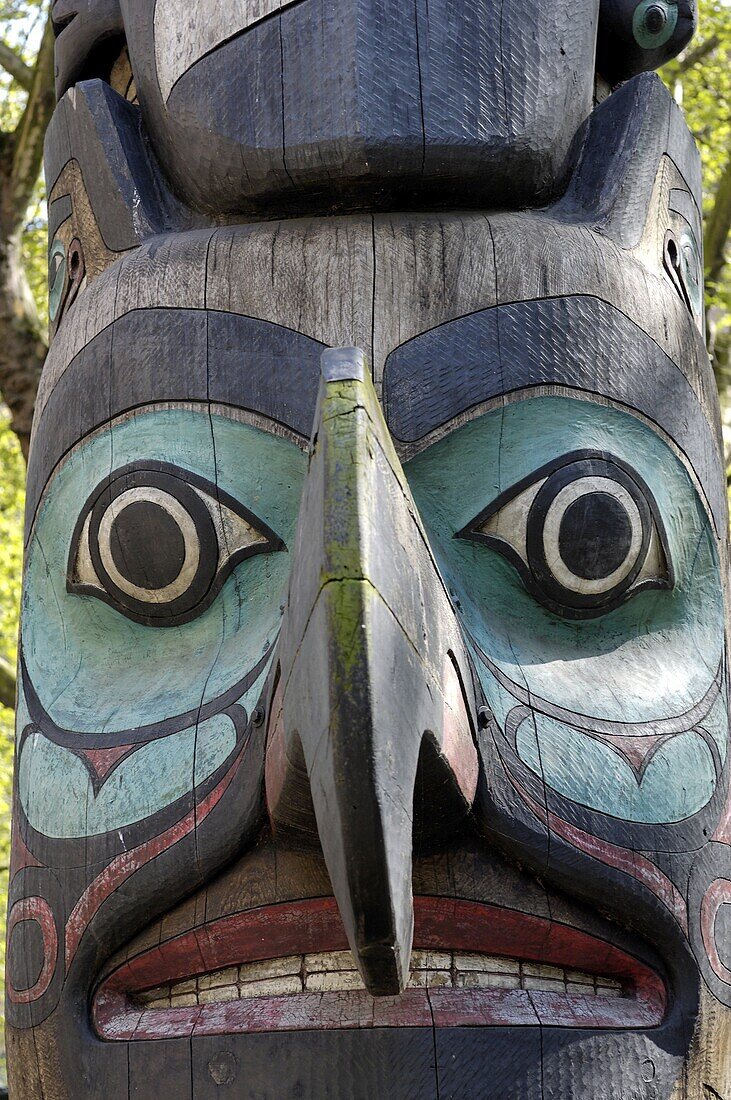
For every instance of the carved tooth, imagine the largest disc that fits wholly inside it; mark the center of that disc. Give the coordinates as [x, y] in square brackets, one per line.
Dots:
[327, 961]
[272, 987]
[431, 960]
[190, 985]
[495, 964]
[580, 977]
[219, 978]
[270, 968]
[220, 993]
[430, 978]
[335, 980]
[541, 970]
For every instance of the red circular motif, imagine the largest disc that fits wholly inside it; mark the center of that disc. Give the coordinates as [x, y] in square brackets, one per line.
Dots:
[36, 909]
[717, 894]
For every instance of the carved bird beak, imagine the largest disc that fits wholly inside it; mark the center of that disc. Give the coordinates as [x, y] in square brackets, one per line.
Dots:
[373, 697]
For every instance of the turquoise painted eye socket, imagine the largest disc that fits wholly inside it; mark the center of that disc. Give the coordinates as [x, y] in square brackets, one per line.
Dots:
[690, 264]
[683, 263]
[654, 23]
[57, 268]
[583, 532]
[157, 543]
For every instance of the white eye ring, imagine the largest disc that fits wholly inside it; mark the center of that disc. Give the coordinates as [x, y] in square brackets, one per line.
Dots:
[213, 533]
[151, 495]
[552, 528]
[561, 558]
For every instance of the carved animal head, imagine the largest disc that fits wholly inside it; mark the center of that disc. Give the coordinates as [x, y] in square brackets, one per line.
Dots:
[373, 726]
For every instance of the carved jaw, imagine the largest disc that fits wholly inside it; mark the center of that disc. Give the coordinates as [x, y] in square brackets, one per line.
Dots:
[285, 967]
[89, 36]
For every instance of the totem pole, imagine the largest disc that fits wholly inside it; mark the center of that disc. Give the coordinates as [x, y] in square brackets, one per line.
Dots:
[373, 712]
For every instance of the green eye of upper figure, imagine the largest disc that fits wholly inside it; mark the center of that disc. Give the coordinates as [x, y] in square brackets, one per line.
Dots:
[157, 543]
[654, 23]
[583, 531]
[57, 267]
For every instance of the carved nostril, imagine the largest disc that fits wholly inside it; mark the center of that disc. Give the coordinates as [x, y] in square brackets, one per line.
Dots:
[484, 717]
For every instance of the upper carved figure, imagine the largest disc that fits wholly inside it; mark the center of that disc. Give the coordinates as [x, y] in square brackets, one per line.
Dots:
[258, 105]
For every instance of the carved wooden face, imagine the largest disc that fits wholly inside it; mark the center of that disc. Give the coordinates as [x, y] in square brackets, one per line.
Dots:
[374, 707]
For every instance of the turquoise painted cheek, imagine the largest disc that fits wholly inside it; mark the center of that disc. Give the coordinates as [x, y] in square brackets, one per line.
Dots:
[59, 799]
[578, 766]
[655, 657]
[95, 670]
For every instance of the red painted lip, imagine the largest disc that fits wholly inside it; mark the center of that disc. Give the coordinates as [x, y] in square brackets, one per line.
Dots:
[314, 925]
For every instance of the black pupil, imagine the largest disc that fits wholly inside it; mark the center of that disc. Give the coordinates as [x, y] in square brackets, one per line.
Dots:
[595, 536]
[655, 19]
[147, 545]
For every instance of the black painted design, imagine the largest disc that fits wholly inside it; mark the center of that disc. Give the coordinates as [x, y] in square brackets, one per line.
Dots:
[595, 536]
[577, 342]
[252, 364]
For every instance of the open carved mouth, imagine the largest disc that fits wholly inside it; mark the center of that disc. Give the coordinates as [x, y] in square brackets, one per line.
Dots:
[287, 967]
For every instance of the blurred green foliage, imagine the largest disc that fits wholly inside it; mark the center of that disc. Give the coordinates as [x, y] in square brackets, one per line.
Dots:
[21, 22]
[12, 498]
[704, 92]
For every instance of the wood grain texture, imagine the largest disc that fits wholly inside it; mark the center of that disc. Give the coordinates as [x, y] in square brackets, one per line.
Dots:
[82, 27]
[184, 35]
[369, 288]
[377, 108]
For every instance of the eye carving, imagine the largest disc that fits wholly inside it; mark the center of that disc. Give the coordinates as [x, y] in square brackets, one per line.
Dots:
[157, 543]
[654, 23]
[683, 263]
[56, 278]
[66, 271]
[584, 533]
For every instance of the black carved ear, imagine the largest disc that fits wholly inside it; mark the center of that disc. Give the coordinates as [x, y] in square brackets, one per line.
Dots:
[635, 37]
[88, 38]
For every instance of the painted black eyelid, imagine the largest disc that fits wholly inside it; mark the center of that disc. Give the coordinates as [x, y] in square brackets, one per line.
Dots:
[188, 477]
[467, 532]
[470, 532]
[191, 480]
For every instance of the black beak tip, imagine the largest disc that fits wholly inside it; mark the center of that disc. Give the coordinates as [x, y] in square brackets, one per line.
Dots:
[383, 970]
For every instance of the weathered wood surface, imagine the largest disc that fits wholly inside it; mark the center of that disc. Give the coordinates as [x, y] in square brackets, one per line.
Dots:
[419, 643]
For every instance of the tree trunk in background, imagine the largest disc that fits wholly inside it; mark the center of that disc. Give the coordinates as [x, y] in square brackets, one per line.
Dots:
[22, 343]
[22, 340]
[718, 227]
